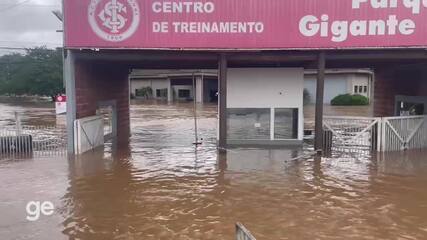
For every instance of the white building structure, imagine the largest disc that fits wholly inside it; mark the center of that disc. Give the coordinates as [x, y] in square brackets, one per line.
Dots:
[257, 113]
[337, 82]
[260, 113]
[340, 81]
[174, 85]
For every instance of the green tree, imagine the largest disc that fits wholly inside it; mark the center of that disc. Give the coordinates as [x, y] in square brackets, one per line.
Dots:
[37, 72]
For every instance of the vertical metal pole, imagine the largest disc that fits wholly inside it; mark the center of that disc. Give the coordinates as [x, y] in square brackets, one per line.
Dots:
[222, 69]
[196, 137]
[318, 146]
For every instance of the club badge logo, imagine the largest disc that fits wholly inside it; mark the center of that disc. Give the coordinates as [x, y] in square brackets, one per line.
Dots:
[114, 20]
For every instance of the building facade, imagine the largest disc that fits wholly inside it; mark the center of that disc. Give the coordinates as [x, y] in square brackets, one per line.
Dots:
[253, 36]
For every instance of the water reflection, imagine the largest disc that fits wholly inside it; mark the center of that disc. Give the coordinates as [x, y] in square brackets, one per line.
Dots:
[276, 198]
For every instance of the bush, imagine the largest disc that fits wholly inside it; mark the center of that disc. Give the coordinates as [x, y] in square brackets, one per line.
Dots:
[146, 92]
[350, 100]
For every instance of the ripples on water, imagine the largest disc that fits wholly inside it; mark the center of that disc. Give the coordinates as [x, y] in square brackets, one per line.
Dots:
[160, 187]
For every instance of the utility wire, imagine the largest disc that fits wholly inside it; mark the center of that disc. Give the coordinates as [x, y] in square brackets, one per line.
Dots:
[30, 5]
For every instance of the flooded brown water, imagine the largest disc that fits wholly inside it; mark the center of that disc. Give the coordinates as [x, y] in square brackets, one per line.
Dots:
[329, 110]
[161, 187]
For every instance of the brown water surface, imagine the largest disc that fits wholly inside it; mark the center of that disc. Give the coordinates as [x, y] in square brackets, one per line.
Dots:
[161, 187]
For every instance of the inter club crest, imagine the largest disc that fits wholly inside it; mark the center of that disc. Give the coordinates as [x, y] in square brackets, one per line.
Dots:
[114, 20]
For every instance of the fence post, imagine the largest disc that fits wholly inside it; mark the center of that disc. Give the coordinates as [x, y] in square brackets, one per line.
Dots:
[383, 134]
[379, 134]
[18, 124]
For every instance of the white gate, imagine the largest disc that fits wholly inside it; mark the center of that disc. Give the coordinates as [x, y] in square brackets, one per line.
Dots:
[403, 133]
[242, 233]
[353, 134]
[88, 133]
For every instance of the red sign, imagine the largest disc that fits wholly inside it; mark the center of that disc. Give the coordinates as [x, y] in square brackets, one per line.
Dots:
[245, 24]
[61, 98]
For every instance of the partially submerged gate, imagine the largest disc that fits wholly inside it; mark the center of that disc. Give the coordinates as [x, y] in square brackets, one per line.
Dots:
[360, 134]
[32, 141]
[352, 134]
[404, 133]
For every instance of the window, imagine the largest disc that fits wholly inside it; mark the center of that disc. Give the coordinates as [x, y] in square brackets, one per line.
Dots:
[286, 123]
[184, 93]
[248, 123]
[162, 93]
[358, 89]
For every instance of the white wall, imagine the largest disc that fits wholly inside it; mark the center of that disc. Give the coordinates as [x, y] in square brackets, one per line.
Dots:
[335, 85]
[138, 84]
[267, 88]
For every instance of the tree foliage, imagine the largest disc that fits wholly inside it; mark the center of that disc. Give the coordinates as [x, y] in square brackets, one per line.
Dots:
[37, 72]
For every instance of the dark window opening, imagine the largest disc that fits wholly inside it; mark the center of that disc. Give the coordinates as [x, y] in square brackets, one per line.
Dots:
[162, 93]
[184, 93]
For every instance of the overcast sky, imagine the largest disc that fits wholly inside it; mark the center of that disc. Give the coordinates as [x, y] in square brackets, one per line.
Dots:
[29, 23]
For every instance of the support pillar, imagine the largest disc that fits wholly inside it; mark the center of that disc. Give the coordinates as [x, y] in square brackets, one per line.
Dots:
[112, 78]
[222, 101]
[70, 91]
[170, 95]
[199, 89]
[318, 145]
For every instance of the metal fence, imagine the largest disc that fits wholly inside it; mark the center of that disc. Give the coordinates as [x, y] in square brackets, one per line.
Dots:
[359, 134]
[404, 133]
[353, 134]
[29, 141]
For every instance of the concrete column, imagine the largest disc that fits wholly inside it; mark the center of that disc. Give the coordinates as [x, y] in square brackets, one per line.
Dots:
[222, 69]
[70, 89]
[199, 89]
[170, 94]
[320, 89]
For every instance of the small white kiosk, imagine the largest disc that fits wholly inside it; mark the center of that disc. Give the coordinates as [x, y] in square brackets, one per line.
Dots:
[265, 106]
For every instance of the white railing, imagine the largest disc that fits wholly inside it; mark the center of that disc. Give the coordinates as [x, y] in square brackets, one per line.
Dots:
[27, 141]
[353, 133]
[403, 133]
[242, 233]
[377, 134]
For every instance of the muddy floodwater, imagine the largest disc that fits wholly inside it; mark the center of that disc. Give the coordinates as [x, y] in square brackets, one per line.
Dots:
[161, 187]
